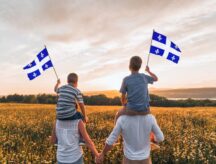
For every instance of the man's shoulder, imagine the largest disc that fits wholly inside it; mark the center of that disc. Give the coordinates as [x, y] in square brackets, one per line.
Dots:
[127, 117]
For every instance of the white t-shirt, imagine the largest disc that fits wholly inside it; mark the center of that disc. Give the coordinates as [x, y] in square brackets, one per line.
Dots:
[136, 135]
[67, 132]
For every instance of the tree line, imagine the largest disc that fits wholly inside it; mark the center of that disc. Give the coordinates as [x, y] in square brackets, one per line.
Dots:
[103, 100]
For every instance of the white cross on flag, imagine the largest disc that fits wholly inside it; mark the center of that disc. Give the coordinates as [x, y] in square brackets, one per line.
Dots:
[40, 64]
[162, 46]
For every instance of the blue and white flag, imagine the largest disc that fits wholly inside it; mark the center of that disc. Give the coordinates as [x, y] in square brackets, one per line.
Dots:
[40, 64]
[162, 46]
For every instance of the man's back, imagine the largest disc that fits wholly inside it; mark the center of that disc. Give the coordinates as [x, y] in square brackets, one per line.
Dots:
[136, 134]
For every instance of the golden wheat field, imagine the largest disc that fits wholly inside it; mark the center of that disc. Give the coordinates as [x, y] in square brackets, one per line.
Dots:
[190, 134]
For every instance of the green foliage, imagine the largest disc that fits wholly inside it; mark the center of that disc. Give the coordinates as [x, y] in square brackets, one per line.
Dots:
[103, 100]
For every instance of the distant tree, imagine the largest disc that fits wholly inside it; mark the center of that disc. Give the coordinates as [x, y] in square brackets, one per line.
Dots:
[103, 100]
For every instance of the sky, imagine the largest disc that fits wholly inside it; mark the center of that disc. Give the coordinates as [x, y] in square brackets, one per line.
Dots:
[97, 38]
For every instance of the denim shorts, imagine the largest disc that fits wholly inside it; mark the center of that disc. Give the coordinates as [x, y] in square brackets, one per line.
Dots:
[76, 116]
[79, 161]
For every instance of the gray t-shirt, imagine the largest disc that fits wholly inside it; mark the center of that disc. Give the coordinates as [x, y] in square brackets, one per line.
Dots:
[136, 88]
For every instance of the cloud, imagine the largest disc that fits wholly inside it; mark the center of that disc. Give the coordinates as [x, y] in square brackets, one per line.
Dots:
[94, 37]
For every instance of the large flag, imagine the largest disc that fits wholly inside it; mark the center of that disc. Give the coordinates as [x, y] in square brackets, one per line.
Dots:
[162, 46]
[40, 64]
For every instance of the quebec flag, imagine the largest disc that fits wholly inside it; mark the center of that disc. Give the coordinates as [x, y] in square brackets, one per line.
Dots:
[40, 64]
[161, 46]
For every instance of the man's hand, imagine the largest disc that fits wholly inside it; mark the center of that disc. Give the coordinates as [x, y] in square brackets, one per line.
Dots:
[53, 139]
[147, 69]
[100, 158]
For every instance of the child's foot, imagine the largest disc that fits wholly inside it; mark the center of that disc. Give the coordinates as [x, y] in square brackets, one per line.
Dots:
[81, 142]
[154, 146]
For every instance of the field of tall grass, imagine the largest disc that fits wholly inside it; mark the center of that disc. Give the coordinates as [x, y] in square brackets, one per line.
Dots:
[190, 134]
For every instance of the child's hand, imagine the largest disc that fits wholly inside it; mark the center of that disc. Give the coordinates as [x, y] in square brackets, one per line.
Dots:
[86, 119]
[147, 69]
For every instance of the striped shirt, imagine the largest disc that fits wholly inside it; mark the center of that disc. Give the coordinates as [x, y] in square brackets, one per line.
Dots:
[67, 98]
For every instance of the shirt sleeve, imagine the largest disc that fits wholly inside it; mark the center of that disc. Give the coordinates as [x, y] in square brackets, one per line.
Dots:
[150, 80]
[115, 133]
[158, 134]
[123, 88]
[79, 97]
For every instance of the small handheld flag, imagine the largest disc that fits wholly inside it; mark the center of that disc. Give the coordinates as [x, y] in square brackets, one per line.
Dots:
[39, 65]
[162, 46]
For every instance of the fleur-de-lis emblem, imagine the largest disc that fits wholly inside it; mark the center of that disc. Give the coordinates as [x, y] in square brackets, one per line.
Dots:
[157, 51]
[159, 37]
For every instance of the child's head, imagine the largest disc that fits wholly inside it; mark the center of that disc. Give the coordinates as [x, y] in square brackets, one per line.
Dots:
[72, 79]
[135, 63]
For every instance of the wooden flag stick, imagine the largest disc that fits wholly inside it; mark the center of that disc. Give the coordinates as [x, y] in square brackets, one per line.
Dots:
[149, 50]
[53, 65]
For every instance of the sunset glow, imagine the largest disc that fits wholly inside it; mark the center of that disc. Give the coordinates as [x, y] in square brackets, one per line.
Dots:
[96, 39]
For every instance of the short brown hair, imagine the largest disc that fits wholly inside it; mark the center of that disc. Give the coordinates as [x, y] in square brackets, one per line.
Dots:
[72, 78]
[135, 63]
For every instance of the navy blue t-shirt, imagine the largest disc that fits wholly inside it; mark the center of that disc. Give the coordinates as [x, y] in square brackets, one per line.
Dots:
[136, 88]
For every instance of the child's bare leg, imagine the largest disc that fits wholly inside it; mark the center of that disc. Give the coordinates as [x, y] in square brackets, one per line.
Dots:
[125, 111]
[119, 113]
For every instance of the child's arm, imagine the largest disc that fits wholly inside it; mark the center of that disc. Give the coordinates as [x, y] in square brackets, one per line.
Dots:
[151, 74]
[57, 85]
[123, 99]
[82, 107]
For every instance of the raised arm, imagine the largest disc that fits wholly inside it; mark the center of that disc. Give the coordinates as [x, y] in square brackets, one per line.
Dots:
[151, 74]
[87, 139]
[80, 101]
[82, 107]
[57, 85]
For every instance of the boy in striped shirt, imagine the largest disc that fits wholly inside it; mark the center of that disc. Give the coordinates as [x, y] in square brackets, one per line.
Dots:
[68, 97]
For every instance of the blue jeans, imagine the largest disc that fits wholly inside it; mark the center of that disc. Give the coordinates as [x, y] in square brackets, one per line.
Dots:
[76, 116]
[79, 161]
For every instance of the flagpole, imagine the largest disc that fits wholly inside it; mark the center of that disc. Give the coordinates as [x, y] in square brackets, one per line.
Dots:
[53, 65]
[149, 50]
